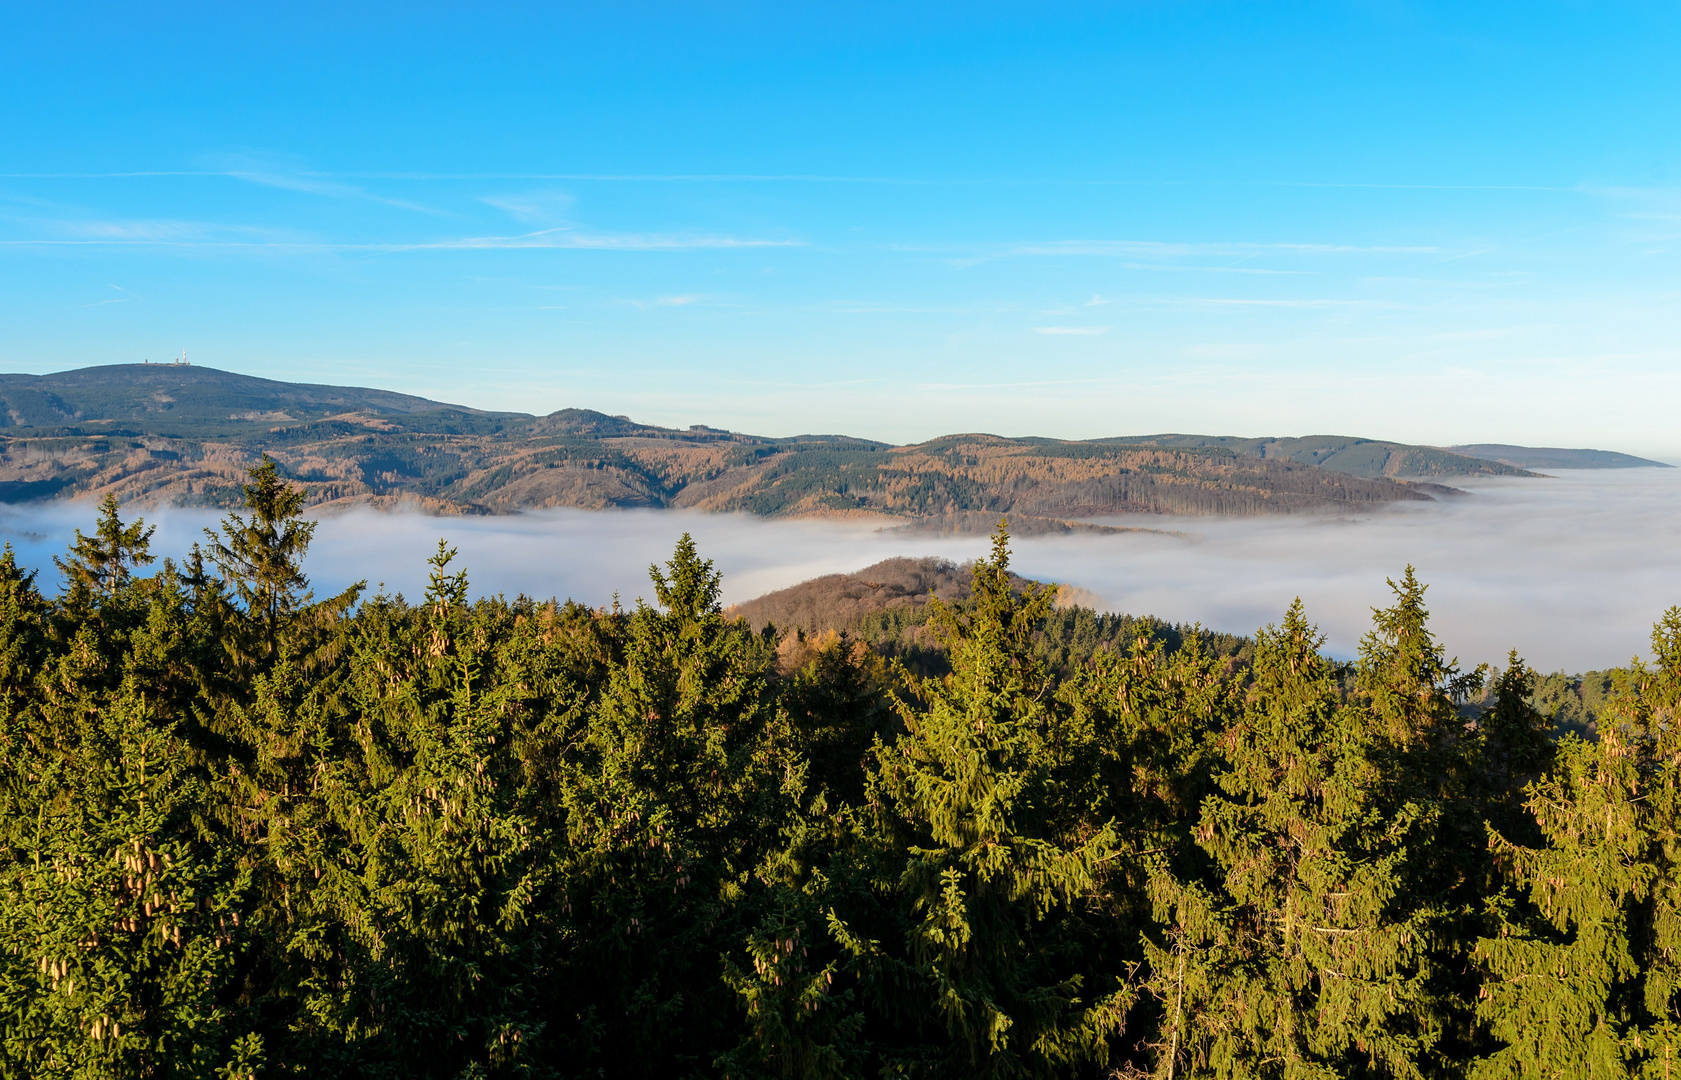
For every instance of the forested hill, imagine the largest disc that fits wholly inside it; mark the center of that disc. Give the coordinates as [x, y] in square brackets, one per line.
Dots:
[182, 434]
[197, 401]
[888, 608]
[1556, 457]
[1356, 457]
[250, 833]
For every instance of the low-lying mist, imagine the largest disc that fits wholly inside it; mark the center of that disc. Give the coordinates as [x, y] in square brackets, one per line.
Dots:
[1571, 571]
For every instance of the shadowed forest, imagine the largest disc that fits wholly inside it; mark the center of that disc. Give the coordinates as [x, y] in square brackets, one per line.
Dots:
[251, 832]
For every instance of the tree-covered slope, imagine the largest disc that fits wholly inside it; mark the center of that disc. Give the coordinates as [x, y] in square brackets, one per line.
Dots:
[1346, 454]
[182, 397]
[247, 832]
[1554, 457]
[186, 435]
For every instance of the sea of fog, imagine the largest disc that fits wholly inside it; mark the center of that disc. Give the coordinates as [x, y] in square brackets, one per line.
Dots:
[1572, 570]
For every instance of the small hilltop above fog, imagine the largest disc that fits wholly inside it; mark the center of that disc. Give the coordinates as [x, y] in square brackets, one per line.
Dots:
[186, 434]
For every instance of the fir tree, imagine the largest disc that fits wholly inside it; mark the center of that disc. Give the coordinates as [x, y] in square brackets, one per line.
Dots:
[261, 559]
[680, 788]
[1301, 954]
[1582, 971]
[120, 917]
[997, 858]
[98, 566]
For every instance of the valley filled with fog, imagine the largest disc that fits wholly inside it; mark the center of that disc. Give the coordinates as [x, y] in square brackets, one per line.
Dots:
[1571, 570]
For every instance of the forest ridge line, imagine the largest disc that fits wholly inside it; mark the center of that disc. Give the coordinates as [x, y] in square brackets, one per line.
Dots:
[250, 832]
[185, 435]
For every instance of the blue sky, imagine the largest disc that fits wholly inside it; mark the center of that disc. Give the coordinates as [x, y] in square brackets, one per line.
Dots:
[1437, 223]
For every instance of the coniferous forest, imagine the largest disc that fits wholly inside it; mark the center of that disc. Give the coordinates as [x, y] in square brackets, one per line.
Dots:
[253, 832]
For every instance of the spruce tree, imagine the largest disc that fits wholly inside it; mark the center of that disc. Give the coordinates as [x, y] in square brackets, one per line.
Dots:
[1561, 984]
[23, 638]
[1300, 953]
[121, 906]
[260, 557]
[679, 787]
[1415, 702]
[101, 564]
[413, 879]
[1514, 747]
[1582, 971]
[997, 858]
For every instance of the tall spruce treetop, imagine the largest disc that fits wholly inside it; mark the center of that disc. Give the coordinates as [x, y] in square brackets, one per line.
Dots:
[261, 556]
[678, 785]
[1300, 957]
[101, 564]
[1584, 968]
[1412, 690]
[996, 855]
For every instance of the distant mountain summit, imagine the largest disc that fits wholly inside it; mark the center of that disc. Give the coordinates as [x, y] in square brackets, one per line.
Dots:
[152, 393]
[173, 433]
[1552, 457]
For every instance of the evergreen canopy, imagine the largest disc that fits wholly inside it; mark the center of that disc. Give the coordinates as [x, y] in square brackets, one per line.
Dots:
[248, 833]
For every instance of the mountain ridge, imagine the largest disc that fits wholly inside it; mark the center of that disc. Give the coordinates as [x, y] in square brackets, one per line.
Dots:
[1348, 454]
[1556, 457]
[175, 433]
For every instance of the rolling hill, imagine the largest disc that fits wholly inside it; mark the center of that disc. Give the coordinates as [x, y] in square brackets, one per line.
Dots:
[189, 400]
[1352, 456]
[1553, 457]
[186, 435]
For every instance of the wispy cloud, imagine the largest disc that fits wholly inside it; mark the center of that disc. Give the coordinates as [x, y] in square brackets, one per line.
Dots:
[566, 237]
[1071, 331]
[148, 232]
[1304, 302]
[163, 231]
[189, 235]
[125, 298]
[532, 207]
[817, 178]
[273, 172]
[1662, 203]
[1163, 255]
[1163, 249]
[681, 300]
[1233, 301]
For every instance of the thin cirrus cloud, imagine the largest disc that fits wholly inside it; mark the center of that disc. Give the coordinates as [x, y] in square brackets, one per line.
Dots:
[266, 171]
[533, 207]
[680, 300]
[1071, 331]
[566, 237]
[154, 232]
[189, 235]
[1164, 249]
[123, 299]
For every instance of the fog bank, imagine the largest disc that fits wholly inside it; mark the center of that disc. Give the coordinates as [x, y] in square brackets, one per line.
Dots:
[1572, 571]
